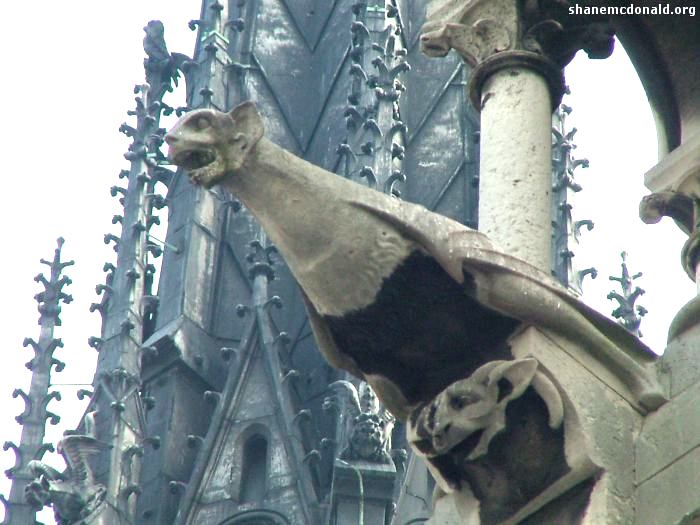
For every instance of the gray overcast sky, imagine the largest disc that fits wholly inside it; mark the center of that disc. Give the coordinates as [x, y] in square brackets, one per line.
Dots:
[69, 71]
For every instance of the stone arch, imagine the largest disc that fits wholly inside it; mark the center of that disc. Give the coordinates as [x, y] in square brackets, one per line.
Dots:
[257, 517]
[254, 469]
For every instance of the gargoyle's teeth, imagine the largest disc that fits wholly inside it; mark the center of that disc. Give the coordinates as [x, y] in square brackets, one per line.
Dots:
[194, 159]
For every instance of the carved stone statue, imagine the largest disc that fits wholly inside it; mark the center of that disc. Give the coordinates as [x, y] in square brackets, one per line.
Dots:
[367, 434]
[367, 440]
[477, 405]
[407, 299]
[497, 437]
[73, 494]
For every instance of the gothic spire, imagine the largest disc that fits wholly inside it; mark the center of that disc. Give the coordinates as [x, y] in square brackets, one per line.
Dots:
[33, 420]
[374, 148]
[128, 305]
[261, 341]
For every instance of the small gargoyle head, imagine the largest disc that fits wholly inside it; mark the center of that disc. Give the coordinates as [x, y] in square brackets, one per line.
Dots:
[476, 407]
[212, 145]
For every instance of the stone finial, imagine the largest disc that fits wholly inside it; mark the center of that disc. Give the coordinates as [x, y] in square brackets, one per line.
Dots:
[162, 67]
[49, 300]
[566, 231]
[33, 418]
[261, 260]
[627, 313]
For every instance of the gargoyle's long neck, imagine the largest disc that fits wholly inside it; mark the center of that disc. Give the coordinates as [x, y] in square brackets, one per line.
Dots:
[308, 213]
[294, 200]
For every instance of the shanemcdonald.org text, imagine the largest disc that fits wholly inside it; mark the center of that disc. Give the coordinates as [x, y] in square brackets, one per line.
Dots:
[658, 9]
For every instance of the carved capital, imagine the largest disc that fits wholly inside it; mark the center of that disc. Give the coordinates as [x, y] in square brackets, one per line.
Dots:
[684, 209]
[493, 34]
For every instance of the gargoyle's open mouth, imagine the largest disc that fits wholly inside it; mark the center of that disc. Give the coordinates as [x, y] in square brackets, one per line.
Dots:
[194, 159]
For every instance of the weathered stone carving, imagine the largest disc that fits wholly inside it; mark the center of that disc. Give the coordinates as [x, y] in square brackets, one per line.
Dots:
[477, 405]
[540, 34]
[367, 440]
[672, 204]
[408, 299]
[628, 313]
[495, 443]
[73, 494]
[367, 434]
[683, 209]
[163, 67]
[479, 28]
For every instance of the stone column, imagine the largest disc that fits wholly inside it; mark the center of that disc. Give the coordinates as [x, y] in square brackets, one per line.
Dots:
[515, 170]
[517, 54]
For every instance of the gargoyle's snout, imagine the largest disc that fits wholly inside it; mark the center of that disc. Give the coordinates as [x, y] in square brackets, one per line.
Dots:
[171, 139]
[435, 43]
[440, 437]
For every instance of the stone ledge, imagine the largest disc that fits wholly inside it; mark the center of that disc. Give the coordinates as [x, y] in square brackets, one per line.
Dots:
[674, 171]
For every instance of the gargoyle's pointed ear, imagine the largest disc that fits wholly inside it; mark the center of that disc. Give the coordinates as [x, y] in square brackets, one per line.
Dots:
[248, 121]
[518, 373]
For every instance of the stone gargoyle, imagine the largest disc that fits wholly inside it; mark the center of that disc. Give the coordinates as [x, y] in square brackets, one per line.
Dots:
[477, 405]
[407, 299]
[498, 436]
[73, 494]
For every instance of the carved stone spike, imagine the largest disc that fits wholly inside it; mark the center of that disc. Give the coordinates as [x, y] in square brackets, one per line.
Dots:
[628, 313]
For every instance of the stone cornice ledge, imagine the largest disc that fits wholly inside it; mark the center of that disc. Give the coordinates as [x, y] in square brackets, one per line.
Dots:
[679, 170]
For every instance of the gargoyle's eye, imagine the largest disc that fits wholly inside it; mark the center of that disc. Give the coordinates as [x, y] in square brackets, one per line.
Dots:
[458, 403]
[202, 123]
